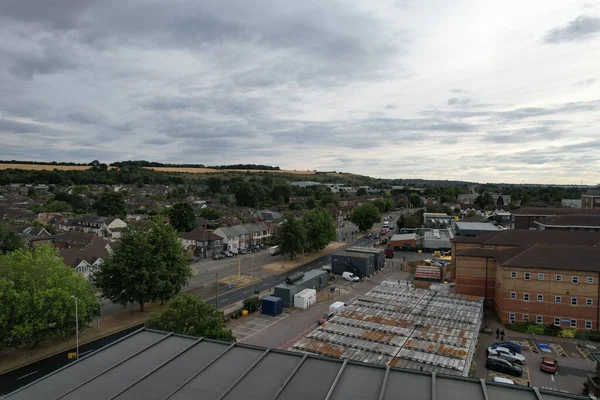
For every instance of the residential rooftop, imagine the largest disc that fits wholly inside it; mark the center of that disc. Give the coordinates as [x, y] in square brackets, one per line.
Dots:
[154, 365]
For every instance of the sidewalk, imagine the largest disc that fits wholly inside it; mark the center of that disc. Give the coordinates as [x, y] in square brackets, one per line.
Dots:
[16, 358]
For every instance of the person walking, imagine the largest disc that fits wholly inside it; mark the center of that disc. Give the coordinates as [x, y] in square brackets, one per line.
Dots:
[497, 333]
[502, 335]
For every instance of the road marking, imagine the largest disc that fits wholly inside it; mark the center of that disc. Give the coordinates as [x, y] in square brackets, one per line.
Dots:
[25, 376]
[225, 299]
[295, 339]
[552, 377]
[260, 330]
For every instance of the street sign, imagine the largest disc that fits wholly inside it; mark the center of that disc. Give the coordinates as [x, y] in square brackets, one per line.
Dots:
[72, 355]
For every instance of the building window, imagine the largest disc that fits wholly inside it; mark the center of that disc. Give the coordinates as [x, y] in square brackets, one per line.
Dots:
[573, 323]
[540, 277]
[558, 277]
[513, 274]
[589, 302]
[539, 319]
[540, 297]
[590, 279]
[573, 301]
[588, 324]
[526, 296]
[527, 276]
[557, 299]
[575, 279]
[513, 295]
[511, 318]
[556, 321]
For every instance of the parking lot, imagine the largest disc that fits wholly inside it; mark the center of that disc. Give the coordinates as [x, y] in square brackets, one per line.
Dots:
[574, 363]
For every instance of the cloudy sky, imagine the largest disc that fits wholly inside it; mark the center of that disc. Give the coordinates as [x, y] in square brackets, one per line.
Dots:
[489, 91]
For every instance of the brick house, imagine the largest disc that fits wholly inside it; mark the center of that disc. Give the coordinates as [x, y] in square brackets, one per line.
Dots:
[203, 242]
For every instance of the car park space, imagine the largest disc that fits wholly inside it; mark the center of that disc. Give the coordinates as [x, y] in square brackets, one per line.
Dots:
[523, 380]
[255, 325]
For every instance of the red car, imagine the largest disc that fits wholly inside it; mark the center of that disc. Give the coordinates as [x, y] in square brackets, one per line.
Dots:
[549, 365]
[324, 318]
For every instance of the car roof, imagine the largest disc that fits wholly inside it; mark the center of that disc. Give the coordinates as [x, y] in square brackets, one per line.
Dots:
[548, 359]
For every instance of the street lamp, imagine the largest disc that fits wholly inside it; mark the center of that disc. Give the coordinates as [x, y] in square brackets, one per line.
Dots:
[76, 326]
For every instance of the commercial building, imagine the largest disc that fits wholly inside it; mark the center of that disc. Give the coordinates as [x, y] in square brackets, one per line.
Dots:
[550, 277]
[474, 228]
[379, 255]
[591, 199]
[525, 218]
[398, 325]
[437, 239]
[154, 365]
[437, 220]
[361, 264]
[314, 279]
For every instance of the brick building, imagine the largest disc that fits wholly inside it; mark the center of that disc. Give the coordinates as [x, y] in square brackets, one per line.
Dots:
[526, 217]
[591, 199]
[570, 223]
[532, 276]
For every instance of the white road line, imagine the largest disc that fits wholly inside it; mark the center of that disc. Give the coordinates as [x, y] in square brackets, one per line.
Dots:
[225, 299]
[552, 377]
[25, 376]
[265, 327]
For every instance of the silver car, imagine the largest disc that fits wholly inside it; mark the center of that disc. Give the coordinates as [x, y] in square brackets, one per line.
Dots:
[506, 354]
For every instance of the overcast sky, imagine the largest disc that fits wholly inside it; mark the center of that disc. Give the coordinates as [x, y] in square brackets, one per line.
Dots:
[489, 91]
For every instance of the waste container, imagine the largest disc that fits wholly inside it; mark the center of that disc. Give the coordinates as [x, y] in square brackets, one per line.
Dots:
[271, 305]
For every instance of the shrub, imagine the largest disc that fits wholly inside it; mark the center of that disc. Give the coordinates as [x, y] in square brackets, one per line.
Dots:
[568, 333]
[251, 304]
[536, 329]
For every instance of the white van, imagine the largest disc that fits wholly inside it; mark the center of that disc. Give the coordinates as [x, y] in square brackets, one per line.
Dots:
[503, 380]
[349, 276]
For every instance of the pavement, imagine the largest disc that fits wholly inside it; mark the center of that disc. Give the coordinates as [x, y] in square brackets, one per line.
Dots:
[574, 364]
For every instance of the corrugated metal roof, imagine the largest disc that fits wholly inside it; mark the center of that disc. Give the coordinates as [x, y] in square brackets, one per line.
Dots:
[396, 324]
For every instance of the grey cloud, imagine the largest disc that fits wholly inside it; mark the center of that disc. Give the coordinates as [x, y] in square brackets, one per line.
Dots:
[585, 82]
[458, 91]
[581, 28]
[533, 134]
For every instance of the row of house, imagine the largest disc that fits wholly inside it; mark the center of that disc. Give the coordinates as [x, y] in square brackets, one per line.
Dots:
[206, 242]
[108, 227]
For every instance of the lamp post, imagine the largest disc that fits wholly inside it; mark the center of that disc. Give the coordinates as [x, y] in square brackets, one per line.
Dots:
[76, 326]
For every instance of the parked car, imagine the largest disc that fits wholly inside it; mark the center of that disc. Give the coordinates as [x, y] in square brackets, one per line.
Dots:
[243, 251]
[349, 276]
[228, 254]
[549, 364]
[509, 345]
[324, 318]
[501, 365]
[218, 256]
[367, 236]
[506, 381]
[503, 352]
[262, 246]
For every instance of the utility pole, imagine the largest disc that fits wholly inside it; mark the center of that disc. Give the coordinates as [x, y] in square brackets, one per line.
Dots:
[217, 290]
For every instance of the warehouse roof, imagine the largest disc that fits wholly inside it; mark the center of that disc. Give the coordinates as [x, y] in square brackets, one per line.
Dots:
[584, 221]
[551, 211]
[476, 226]
[523, 237]
[355, 254]
[153, 365]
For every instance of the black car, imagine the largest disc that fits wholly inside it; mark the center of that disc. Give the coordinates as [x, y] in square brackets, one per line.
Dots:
[504, 366]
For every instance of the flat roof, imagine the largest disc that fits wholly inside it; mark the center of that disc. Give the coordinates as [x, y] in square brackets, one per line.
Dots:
[398, 325]
[355, 254]
[154, 365]
[476, 226]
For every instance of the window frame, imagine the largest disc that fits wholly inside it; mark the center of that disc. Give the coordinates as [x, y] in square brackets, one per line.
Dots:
[575, 280]
[528, 297]
[540, 297]
[527, 276]
[571, 323]
[559, 298]
[513, 295]
[525, 318]
[589, 302]
[539, 319]
[588, 279]
[590, 324]
[556, 321]
[559, 277]
[573, 298]
[540, 276]
[512, 317]
[514, 275]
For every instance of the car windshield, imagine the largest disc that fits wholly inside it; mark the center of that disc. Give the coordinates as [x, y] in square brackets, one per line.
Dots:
[549, 362]
[325, 315]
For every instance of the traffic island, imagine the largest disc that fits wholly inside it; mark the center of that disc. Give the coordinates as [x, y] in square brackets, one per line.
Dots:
[238, 281]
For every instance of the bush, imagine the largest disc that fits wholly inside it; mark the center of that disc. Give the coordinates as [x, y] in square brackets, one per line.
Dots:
[568, 333]
[251, 304]
[536, 329]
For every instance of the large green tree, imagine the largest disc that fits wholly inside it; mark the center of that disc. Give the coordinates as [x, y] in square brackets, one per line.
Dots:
[182, 217]
[148, 265]
[9, 241]
[365, 216]
[110, 204]
[361, 192]
[249, 194]
[36, 290]
[187, 314]
[291, 236]
[214, 184]
[320, 229]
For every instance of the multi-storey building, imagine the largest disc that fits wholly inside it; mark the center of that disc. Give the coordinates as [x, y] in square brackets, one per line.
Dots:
[550, 277]
[526, 217]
